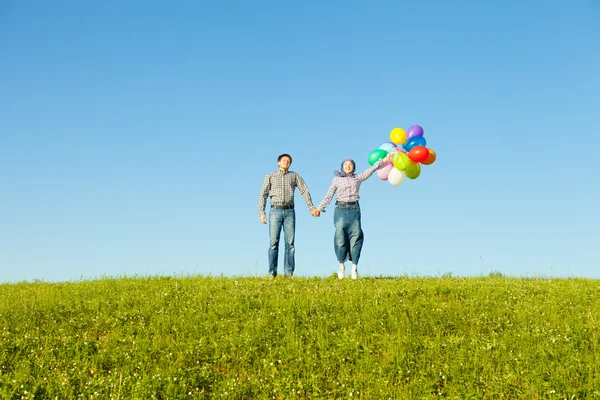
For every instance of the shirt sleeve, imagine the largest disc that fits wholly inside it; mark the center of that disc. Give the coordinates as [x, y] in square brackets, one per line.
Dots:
[303, 189]
[264, 192]
[363, 176]
[329, 195]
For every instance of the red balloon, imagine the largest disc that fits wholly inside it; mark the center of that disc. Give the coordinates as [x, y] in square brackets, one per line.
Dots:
[418, 153]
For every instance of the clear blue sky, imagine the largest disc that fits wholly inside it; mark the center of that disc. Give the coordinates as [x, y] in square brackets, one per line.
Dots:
[135, 135]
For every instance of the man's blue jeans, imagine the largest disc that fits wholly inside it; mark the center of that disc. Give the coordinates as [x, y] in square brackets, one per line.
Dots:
[285, 219]
[348, 239]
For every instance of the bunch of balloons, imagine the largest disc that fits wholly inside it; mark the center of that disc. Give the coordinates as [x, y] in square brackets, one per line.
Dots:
[410, 152]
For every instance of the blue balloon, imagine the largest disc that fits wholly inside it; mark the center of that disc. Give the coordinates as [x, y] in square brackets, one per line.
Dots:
[414, 141]
[387, 146]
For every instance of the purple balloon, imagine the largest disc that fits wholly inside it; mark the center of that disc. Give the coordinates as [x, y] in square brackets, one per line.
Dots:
[413, 131]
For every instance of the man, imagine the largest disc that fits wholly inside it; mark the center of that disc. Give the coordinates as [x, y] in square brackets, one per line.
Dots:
[279, 186]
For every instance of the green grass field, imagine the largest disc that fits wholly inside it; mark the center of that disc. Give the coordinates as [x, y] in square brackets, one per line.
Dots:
[315, 338]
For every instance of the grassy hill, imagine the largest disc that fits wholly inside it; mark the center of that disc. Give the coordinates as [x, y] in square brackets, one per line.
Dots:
[374, 338]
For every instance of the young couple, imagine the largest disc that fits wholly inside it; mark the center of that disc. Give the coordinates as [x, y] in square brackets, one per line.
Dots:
[280, 185]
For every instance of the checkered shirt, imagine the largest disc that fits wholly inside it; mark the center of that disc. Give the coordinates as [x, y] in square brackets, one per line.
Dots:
[347, 187]
[279, 186]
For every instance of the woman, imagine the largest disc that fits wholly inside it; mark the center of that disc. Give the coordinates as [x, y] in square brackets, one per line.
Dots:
[348, 239]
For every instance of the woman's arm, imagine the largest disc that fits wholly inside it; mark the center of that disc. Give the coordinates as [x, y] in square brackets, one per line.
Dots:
[329, 196]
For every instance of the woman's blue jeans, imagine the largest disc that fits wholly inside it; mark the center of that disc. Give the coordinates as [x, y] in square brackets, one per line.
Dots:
[285, 219]
[348, 239]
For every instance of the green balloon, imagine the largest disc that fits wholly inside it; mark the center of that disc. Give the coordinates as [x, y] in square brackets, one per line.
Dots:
[401, 161]
[413, 170]
[376, 155]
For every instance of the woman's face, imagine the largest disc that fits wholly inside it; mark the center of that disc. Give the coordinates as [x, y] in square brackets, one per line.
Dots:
[348, 167]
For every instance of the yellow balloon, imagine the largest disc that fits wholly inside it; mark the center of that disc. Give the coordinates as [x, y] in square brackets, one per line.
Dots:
[398, 135]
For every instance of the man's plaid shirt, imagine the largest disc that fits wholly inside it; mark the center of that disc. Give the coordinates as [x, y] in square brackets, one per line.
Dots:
[279, 186]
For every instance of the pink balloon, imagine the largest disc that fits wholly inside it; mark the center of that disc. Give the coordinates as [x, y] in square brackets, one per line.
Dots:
[384, 170]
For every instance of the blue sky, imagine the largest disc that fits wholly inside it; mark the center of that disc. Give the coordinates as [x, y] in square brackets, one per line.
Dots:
[135, 136]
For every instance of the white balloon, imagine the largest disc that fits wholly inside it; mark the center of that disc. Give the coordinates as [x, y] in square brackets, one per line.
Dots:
[396, 177]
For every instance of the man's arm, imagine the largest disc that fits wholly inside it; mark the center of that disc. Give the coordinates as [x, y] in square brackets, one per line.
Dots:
[303, 189]
[262, 199]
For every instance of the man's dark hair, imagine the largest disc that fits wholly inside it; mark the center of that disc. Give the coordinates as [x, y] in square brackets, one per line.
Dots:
[284, 155]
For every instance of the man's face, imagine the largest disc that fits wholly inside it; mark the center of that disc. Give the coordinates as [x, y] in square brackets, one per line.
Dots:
[284, 163]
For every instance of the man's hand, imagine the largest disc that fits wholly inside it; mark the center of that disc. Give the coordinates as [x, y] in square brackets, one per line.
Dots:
[263, 218]
[316, 212]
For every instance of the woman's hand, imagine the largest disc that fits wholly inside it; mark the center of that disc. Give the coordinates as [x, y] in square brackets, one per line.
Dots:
[389, 157]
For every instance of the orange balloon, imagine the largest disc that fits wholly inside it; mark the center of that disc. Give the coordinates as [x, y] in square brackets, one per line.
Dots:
[430, 158]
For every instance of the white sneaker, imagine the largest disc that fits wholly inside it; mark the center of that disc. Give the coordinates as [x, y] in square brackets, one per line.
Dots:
[342, 272]
[354, 272]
